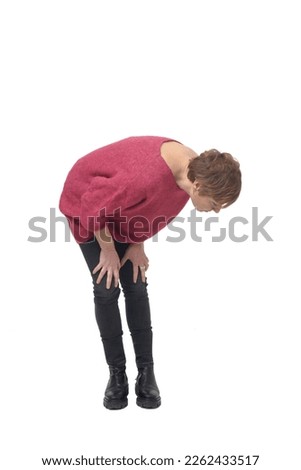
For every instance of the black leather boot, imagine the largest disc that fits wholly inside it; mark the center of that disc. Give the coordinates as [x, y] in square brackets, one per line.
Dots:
[117, 389]
[146, 388]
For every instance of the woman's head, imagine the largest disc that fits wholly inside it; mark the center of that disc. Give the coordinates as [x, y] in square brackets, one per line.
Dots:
[217, 179]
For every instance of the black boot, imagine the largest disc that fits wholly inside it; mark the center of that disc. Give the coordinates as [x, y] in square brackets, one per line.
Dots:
[148, 394]
[117, 389]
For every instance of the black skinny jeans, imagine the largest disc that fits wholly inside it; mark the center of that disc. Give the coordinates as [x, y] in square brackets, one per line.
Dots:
[107, 310]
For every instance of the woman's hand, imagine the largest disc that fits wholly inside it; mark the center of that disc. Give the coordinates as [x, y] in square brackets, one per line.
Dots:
[108, 262]
[135, 253]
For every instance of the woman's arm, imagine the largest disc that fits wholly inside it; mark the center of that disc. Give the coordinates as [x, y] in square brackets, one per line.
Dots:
[109, 260]
[104, 238]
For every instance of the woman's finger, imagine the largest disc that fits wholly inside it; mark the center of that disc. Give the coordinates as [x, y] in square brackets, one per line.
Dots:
[97, 268]
[109, 279]
[101, 275]
[142, 269]
[123, 261]
[116, 276]
[135, 271]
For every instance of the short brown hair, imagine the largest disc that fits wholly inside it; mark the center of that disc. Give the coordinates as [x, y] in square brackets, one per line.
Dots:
[219, 175]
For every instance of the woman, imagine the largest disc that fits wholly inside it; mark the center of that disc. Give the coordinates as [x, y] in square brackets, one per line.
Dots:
[115, 198]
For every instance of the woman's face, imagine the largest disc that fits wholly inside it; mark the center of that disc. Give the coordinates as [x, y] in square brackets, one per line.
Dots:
[203, 203]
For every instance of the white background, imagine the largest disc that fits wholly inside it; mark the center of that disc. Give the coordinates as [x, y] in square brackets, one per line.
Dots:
[76, 76]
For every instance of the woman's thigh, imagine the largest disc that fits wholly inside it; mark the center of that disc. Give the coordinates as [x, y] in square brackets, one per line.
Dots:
[91, 251]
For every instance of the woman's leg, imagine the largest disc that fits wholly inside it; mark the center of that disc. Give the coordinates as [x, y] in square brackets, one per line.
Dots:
[109, 323]
[139, 321]
[110, 327]
[138, 314]
[106, 306]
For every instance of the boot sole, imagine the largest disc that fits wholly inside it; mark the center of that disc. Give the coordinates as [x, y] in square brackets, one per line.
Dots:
[115, 404]
[149, 403]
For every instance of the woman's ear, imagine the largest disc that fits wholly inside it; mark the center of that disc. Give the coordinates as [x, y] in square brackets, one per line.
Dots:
[196, 186]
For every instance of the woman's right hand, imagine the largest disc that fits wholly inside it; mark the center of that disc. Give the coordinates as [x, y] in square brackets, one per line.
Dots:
[109, 262]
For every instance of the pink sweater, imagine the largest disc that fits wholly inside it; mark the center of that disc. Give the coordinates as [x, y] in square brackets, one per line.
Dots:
[126, 185]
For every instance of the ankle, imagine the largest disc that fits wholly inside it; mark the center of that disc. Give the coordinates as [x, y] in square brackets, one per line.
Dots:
[117, 369]
[149, 365]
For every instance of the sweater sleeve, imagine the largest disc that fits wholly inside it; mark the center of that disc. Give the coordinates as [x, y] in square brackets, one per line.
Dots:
[104, 196]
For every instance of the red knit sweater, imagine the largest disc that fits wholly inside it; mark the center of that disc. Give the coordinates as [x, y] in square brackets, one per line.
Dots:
[126, 185]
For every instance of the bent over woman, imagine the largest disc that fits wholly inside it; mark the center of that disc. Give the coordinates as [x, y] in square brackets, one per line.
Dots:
[115, 198]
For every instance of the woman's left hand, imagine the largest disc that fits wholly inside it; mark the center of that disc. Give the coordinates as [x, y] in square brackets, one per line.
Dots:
[135, 253]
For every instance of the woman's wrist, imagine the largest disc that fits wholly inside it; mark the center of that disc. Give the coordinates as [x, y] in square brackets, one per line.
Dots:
[104, 239]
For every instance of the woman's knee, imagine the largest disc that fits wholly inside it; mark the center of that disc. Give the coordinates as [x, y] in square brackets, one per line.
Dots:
[138, 288]
[101, 292]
